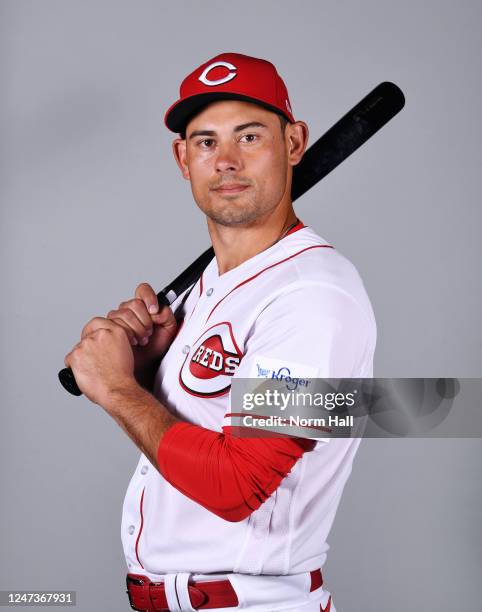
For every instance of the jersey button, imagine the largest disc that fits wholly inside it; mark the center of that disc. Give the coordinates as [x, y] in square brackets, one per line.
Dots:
[131, 529]
[144, 469]
[209, 291]
[186, 349]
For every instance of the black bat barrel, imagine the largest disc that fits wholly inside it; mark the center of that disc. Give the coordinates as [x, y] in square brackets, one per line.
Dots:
[347, 135]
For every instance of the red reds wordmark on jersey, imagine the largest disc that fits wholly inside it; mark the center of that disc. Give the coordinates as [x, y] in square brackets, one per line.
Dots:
[209, 365]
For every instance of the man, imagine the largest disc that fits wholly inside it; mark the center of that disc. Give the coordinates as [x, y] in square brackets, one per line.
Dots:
[211, 519]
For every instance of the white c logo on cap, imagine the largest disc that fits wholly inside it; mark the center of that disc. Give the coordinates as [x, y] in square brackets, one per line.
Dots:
[203, 78]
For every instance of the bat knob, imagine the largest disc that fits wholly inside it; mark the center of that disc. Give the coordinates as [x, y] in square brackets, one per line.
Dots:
[67, 379]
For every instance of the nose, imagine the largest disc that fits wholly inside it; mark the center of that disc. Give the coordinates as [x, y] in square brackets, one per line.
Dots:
[228, 158]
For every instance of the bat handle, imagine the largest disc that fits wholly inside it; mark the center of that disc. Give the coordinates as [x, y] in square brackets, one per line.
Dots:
[68, 382]
[66, 376]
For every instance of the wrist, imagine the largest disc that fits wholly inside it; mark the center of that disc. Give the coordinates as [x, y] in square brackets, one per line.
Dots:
[128, 389]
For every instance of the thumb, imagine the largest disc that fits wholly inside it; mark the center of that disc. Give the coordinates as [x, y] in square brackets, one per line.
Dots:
[147, 294]
[165, 318]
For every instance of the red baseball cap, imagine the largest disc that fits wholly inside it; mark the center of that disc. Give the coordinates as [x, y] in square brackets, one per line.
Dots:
[229, 76]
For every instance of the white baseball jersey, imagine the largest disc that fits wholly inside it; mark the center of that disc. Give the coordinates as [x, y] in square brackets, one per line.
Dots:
[301, 307]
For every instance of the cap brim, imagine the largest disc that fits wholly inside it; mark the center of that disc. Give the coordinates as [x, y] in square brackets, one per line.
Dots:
[179, 114]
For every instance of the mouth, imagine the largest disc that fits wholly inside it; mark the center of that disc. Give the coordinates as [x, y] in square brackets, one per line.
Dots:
[231, 189]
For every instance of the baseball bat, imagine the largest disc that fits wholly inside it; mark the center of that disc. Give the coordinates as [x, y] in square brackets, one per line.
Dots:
[339, 142]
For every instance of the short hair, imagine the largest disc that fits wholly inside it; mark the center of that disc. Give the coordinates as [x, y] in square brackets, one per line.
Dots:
[283, 120]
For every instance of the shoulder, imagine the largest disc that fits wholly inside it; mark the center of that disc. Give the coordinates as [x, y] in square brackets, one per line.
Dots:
[315, 273]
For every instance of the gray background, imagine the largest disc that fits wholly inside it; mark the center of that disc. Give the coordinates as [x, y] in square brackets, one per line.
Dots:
[92, 204]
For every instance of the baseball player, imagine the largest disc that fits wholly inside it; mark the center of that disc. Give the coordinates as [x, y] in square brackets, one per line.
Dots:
[214, 520]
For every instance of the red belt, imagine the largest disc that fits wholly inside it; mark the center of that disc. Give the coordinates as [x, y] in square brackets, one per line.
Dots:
[147, 596]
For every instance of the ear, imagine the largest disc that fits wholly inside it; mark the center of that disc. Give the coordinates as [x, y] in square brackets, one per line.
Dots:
[179, 152]
[296, 136]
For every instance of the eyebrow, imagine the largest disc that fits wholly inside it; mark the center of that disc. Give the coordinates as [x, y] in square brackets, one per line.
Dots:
[238, 128]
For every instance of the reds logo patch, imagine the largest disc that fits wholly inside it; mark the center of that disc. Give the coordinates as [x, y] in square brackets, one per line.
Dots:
[209, 365]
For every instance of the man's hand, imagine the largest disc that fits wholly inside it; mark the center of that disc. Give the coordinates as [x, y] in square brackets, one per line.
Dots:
[102, 362]
[123, 348]
[149, 331]
[152, 331]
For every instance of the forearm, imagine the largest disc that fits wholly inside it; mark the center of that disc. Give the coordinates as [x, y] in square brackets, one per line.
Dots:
[229, 476]
[141, 416]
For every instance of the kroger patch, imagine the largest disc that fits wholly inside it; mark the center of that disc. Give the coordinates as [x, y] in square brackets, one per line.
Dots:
[295, 374]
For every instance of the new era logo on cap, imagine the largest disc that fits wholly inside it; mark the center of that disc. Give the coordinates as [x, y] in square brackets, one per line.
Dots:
[229, 76]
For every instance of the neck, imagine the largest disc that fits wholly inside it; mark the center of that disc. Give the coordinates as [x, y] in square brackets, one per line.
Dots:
[235, 244]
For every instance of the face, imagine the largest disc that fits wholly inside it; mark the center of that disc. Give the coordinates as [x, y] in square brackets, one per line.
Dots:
[237, 160]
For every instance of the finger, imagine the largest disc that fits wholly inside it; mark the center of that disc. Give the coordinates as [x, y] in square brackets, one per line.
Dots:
[131, 335]
[147, 294]
[68, 357]
[140, 310]
[93, 325]
[131, 320]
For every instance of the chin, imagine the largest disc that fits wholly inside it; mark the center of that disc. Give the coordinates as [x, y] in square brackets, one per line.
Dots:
[232, 215]
[229, 210]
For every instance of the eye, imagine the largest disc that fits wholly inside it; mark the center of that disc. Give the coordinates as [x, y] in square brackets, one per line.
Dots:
[206, 143]
[249, 137]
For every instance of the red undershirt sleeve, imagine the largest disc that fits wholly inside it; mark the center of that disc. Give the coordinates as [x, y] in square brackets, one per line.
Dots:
[230, 476]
